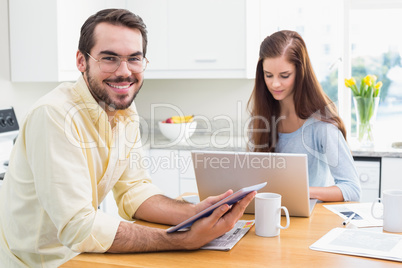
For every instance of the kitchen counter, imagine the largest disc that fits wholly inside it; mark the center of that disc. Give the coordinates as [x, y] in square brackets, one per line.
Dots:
[381, 149]
[202, 141]
[377, 152]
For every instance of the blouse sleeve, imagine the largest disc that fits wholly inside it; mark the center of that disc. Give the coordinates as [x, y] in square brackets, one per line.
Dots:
[341, 163]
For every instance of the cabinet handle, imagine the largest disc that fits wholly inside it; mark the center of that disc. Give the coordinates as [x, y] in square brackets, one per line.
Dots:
[205, 60]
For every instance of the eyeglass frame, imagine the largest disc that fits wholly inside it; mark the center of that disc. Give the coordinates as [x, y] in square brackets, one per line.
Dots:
[120, 60]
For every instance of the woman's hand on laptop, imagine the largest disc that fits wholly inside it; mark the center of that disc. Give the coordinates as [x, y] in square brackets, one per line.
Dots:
[221, 221]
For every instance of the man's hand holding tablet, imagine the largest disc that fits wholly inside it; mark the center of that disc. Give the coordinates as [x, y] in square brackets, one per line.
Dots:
[224, 205]
[206, 229]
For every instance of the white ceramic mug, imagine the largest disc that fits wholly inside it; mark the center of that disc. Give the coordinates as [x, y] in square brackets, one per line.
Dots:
[392, 212]
[268, 214]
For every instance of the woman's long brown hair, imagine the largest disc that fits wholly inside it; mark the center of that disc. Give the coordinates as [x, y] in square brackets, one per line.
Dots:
[309, 98]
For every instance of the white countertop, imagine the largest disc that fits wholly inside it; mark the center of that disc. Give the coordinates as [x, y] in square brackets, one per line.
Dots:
[238, 143]
[201, 142]
[380, 149]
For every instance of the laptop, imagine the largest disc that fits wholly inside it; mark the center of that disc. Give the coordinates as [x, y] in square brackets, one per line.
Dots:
[285, 174]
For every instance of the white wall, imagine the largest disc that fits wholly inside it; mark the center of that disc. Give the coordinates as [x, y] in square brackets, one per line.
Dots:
[209, 98]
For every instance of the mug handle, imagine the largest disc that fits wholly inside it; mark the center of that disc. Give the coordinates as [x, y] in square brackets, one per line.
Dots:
[287, 219]
[372, 209]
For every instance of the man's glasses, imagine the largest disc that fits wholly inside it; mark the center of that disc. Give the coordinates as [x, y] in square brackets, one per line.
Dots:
[109, 64]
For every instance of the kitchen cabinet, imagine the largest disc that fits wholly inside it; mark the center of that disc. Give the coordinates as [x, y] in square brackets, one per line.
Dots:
[200, 39]
[172, 171]
[188, 184]
[44, 37]
[164, 171]
[368, 170]
[187, 39]
[156, 20]
[391, 176]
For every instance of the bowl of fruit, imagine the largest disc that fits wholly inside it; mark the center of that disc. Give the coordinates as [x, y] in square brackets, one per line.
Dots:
[178, 128]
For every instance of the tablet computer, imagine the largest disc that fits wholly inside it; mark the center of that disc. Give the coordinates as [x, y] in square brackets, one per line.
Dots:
[230, 200]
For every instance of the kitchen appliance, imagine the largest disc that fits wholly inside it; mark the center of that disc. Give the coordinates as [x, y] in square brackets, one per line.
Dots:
[8, 132]
[369, 171]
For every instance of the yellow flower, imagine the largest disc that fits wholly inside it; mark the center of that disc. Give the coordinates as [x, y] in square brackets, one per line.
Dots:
[369, 80]
[378, 85]
[350, 82]
[368, 86]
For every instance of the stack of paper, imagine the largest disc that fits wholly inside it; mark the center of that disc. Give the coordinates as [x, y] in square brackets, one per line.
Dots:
[361, 242]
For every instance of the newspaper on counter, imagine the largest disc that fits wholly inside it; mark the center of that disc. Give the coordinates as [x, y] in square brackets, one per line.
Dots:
[228, 240]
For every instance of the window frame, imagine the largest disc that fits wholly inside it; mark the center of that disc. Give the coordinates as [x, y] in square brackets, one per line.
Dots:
[345, 68]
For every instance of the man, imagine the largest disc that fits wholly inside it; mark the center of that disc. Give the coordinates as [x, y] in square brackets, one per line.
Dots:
[74, 147]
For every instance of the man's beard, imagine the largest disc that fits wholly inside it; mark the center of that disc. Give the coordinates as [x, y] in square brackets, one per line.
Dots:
[102, 96]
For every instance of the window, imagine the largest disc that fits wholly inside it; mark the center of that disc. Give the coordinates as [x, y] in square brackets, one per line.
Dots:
[349, 38]
[318, 23]
[376, 49]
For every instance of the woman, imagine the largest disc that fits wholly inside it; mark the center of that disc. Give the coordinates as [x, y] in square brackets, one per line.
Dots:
[292, 114]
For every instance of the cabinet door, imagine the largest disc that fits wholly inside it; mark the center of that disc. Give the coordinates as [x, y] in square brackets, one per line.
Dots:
[188, 183]
[391, 177]
[368, 171]
[33, 40]
[71, 16]
[44, 37]
[164, 172]
[154, 15]
[207, 35]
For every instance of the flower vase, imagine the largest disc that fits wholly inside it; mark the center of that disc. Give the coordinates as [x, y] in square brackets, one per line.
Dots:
[366, 110]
